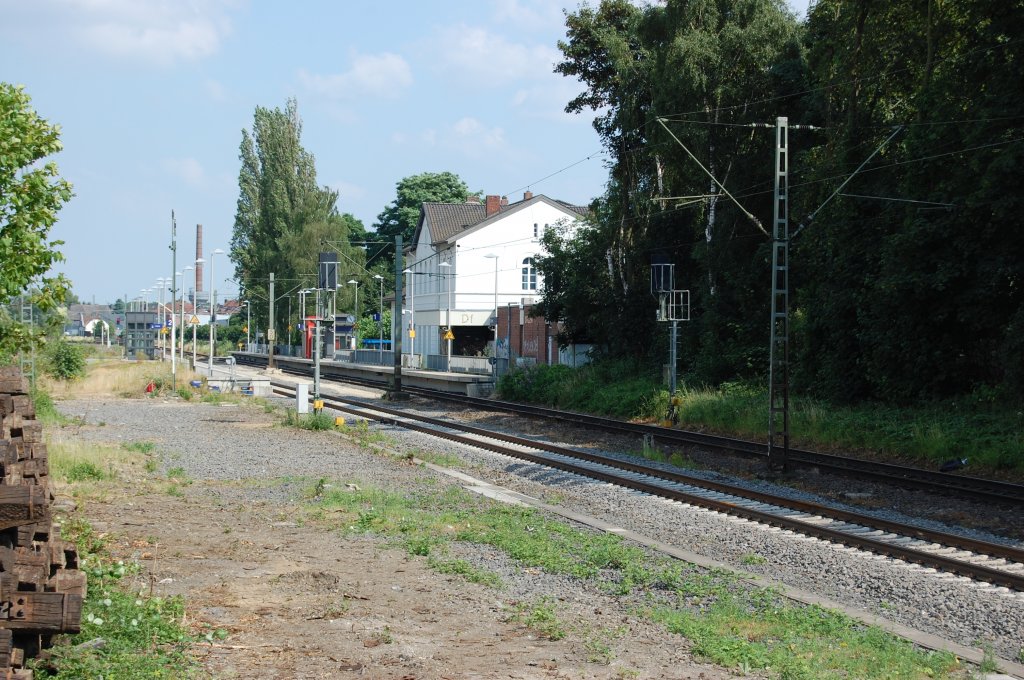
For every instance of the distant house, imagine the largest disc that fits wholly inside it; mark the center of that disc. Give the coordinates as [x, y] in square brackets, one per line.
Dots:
[468, 259]
[82, 319]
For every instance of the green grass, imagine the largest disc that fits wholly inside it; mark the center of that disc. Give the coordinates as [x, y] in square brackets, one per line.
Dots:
[542, 617]
[465, 570]
[81, 471]
[139, 447]
[46, 410]
[985, 427]
[143, 638]
[742, 628]
[728, 625]
[317, 422]
[83, 463]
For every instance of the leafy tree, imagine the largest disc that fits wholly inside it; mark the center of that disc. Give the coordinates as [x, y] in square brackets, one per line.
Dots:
[65, 361]
[404, 212]
[903, 301]
[283, 219]
[30, 197]
[688, 62]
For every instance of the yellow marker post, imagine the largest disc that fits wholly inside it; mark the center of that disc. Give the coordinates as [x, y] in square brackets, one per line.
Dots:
[318, 405]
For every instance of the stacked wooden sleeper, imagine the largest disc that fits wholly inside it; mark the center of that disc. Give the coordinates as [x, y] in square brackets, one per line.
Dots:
[41, 586]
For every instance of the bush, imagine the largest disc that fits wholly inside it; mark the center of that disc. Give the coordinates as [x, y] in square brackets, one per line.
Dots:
[65, 361]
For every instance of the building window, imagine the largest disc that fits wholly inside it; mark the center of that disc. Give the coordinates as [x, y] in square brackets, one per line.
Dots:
[535, 230]
[529, 275]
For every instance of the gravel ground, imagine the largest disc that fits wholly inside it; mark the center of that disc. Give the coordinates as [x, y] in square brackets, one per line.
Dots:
[945, 605]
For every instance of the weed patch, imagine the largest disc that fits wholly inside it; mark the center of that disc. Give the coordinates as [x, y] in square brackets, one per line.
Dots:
[142, 636]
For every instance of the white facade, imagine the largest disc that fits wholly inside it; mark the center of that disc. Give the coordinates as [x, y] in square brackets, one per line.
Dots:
[453, 281]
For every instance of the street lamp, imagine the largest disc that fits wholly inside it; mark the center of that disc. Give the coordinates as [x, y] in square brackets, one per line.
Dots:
[412, 314]
[186, 269]
[495, 256]
[248, 320]
[161, 285]
[213, 308]
[381, 315]
[448, 313]
[356, 284]
[174, 326]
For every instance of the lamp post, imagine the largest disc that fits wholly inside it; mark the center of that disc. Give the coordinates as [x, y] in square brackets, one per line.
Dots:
[248, 320]
[412, 313]
[213, 308]
[380, 325]
[448, 313]
[356, 284]
[186, 269]
[174, 327]
[161, 285]
[495, 256]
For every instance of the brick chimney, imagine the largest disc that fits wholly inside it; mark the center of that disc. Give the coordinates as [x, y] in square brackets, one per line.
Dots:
[504, 201]
[527, 195]
[493, 204]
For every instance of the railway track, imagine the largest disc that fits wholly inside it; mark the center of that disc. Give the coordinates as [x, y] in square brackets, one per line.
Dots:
[956, 485]
[993, 563]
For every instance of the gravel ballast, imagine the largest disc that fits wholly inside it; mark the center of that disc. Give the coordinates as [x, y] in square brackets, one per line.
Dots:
[951, 607]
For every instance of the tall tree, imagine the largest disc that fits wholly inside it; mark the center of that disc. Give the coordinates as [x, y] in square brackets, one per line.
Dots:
[283, 218]
[30, 197]
[401, 216]
[703, 65]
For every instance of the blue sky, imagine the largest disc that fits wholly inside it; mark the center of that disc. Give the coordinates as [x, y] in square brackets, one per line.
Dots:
[152, 96]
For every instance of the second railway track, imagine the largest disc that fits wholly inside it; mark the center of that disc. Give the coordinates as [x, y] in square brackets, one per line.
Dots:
[957, 485]
[994, 563]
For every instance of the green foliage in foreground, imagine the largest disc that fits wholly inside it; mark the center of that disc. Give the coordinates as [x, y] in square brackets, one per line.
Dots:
[65, 361]
[733, 625]
[142, 636]
[46, 410]
[987, 427]
[317, 422]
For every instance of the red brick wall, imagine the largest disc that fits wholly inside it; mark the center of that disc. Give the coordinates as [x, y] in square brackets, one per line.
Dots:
[528, 338]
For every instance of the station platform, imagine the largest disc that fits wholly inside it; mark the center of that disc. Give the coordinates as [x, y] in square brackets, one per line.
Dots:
[471, 384]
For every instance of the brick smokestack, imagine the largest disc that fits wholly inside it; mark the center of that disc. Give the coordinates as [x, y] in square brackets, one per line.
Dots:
[504, 201]
[492, 205]
[199, 255]
[527, 195]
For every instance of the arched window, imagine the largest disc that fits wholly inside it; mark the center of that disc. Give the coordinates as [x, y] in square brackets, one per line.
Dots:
[529, 275]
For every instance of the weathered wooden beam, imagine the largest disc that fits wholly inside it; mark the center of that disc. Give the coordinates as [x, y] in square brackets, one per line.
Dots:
[56, 612]
[23, 504]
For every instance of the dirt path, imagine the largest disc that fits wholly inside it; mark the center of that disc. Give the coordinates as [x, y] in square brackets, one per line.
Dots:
[298, 602]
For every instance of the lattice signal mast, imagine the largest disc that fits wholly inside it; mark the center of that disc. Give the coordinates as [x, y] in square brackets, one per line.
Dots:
[673, 307]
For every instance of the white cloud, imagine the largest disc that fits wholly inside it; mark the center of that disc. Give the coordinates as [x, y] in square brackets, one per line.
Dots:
[158, 31]
[486, 59]
[381, 75]
[187, 169]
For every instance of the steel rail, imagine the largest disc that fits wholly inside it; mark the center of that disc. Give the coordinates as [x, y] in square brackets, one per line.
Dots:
[429, 425]
[961, 486]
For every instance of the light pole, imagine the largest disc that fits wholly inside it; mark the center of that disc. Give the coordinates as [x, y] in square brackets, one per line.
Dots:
[412, 314]
[161, 285]
[380, 325]
[356, 284]
[448, 313]
[186, 269]
[213, 308]
[495, 256]
[248, 320]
